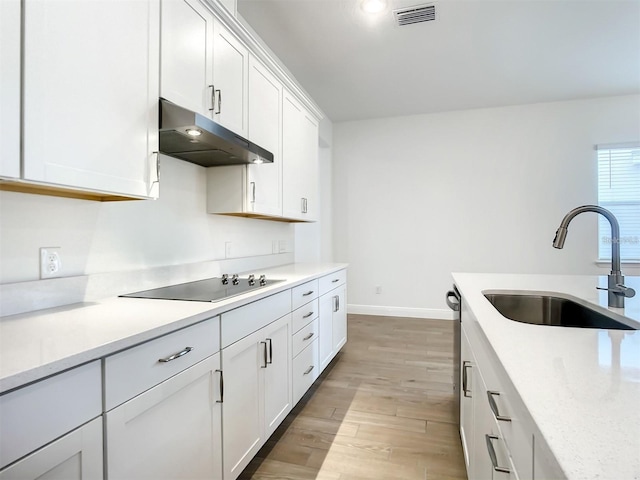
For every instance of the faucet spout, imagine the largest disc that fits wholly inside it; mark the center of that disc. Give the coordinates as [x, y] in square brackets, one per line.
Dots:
[561, 233]
[616, 289]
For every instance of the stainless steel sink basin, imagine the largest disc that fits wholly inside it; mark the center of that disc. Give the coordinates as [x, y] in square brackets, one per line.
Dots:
[549, 310]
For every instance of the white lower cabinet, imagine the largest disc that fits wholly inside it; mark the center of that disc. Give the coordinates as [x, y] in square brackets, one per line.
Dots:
[169, 428]
[35, 422]
[332, 327]
[75, 456]
[496, 430]
[171, 431]
[257, 395]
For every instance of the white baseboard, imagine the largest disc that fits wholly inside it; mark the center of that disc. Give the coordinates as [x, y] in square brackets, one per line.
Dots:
[435, 313]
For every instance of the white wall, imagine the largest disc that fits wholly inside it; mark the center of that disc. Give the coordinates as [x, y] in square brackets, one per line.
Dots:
[418, 197]
[120, 236]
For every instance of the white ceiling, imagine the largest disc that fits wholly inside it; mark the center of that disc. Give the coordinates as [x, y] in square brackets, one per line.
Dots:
[477, 53]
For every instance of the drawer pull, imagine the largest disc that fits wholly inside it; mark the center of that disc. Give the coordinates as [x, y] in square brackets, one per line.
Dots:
[176, 355]
[309, 336]
[308, 315]
[308, 370]
[466, 391]
[494, 407]
[221, 387]
[336, 280]
[492, 454]
[308, 293]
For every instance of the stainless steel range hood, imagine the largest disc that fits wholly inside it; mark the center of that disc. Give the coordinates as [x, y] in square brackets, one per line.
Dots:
[197, 139]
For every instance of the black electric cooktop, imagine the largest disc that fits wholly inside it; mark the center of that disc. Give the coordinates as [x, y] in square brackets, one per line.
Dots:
[209, 290]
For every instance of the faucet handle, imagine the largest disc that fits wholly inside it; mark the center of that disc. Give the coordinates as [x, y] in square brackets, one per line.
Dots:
[620, 289]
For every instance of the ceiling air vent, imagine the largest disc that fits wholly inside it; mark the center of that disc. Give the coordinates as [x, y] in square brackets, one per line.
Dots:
[416, 14]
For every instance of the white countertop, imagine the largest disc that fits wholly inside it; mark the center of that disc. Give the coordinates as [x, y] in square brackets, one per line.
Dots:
[38, 344]
[584, 399]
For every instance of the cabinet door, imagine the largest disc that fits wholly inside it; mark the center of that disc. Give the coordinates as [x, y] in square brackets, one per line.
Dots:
[186, 76]
[277, 375]
[10, 88]
[325, 330]
[466, 400]
[265, 125]
[299, 160]
[75, 456]
[339, 318]
[171, 431]
[230, 67]
[91, 84]
[242, 418]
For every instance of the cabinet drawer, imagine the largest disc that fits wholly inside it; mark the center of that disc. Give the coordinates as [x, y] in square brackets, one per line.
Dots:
[305, 314]
[34, 415]
[305, 370]
[329, 282]
[137, 369]
[305, 337]
[250, 318]
[304, 294]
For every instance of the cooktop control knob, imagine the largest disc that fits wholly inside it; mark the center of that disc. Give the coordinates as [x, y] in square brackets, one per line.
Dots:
[225, 279]
[235, 279]
[252, 280]
[263, 280]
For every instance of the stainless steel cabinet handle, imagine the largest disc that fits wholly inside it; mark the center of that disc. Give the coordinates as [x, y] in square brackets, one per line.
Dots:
[494, 407]
[308, 293]
[336, 303]
[219, 92]
[492, 454]
[466, 391]
[253, 192]
[336, 280]
[270, 351]
[221, 387]
[307, 315]
[213, 98]
[309, 336]
[176, 355]
[266, 362]
[308, 370]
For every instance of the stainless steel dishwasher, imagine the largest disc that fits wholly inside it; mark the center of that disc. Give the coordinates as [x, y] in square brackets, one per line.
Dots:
[454, 300]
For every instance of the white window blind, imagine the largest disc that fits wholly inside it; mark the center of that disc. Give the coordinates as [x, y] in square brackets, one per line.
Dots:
[619, 192]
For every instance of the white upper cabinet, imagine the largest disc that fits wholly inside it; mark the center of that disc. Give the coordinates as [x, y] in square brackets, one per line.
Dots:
[187, 55]
[230, 70]
[265, 129]
[10, 88]
[91, 87]
[299, 160]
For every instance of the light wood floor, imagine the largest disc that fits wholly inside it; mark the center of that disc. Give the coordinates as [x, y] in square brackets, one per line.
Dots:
[384, 409]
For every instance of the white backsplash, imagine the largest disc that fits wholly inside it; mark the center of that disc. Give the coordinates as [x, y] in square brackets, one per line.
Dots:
[40, 294]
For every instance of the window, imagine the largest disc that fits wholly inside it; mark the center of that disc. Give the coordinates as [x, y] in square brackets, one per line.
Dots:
[619, 192]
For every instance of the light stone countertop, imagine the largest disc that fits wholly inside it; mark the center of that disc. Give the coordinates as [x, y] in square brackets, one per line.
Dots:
[37, 344]
[584, 399]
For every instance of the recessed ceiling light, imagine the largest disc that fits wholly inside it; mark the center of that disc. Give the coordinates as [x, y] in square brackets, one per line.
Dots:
[373, 6]
[194, 132]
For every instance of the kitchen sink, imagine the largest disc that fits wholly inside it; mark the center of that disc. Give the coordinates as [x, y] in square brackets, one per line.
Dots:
[550, 310]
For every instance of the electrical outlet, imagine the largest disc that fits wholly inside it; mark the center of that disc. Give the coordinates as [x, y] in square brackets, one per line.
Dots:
[227, 250]
[50, 262]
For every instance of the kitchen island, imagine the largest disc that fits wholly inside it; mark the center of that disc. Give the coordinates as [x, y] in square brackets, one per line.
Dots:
[580, 386]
